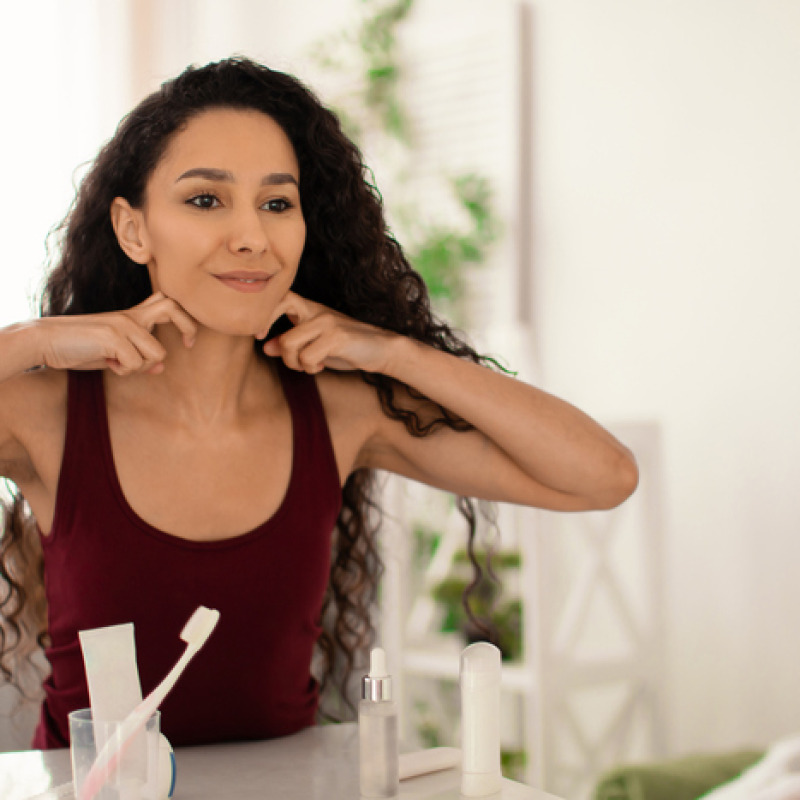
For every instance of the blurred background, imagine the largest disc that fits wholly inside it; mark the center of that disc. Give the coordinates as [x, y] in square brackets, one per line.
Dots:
[605, 194]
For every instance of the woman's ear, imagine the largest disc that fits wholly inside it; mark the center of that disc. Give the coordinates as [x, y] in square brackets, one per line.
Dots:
[128, 224]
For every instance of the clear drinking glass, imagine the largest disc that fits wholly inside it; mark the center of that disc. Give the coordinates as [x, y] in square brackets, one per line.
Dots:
[136, 776]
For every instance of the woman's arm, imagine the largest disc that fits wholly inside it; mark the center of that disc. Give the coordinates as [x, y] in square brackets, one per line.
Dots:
[121, 341]
[527, 446]
[19, 349]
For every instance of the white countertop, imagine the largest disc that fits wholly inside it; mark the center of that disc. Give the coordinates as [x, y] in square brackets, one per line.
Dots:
[316, 764]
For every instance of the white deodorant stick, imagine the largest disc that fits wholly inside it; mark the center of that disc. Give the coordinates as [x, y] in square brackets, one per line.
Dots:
[480, 720]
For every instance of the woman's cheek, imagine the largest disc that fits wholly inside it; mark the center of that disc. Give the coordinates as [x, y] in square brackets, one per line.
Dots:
[168, 278]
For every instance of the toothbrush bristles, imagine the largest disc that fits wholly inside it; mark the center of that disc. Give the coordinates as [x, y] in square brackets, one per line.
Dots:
[199, 626]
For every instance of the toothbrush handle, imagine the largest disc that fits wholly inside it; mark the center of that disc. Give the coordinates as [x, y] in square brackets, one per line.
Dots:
[156, 697]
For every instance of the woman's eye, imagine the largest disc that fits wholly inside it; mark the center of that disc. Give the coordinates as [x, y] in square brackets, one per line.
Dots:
[278, 204]
[203, 201]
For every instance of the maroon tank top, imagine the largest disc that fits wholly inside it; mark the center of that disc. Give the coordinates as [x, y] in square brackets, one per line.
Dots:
[104, 565]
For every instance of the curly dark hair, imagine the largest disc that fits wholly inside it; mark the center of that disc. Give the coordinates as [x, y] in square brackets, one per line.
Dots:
[350, 263]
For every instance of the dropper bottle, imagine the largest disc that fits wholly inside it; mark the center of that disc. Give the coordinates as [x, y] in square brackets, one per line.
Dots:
[377, 731]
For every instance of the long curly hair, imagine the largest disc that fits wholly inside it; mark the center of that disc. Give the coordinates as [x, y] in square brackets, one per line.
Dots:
[350, 263]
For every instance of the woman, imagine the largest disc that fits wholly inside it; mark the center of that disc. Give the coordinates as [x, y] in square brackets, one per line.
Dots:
[231, 344]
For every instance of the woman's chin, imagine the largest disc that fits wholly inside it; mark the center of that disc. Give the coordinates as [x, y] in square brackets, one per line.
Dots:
[247, 328]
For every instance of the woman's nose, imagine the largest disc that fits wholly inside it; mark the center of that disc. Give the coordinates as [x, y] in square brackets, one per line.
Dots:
[248, 232]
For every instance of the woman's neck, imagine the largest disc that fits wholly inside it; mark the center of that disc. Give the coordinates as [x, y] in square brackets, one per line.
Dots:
[215, 381]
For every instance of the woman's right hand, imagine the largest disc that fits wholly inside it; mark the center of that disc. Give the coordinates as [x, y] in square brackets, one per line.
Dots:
[121, 341]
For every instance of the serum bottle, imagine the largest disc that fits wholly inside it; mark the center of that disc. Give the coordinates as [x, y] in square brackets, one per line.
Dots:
[377, 731]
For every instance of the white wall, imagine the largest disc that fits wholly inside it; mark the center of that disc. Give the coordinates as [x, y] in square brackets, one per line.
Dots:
[666, 259]
[58, 107]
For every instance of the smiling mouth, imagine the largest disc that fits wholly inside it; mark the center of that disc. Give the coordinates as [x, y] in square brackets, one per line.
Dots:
[244, 282]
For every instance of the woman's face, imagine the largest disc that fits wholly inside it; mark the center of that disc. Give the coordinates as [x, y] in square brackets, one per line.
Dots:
[222, 221]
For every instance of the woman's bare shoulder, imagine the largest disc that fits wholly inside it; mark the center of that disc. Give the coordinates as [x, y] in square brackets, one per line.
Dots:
[33, 410]
[357, 420]
[346, 394]
[352, 410]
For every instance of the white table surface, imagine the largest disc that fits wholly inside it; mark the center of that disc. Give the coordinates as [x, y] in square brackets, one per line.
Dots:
[316, 764]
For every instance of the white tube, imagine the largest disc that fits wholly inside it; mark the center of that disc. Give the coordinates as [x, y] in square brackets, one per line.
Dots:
[111, 672]
[480, 720]
[112, 676]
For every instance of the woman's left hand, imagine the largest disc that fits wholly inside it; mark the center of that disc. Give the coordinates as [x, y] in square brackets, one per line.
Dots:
[322, 338]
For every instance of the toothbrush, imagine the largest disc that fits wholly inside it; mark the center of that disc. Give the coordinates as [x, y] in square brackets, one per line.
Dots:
[195, 633]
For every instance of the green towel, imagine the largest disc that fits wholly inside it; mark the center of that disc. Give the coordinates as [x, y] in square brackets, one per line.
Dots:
[685, 778]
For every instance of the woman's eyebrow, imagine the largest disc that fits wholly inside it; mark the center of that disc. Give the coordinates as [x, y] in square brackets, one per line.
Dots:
[275, 178]
[212, 174]
[208, 173]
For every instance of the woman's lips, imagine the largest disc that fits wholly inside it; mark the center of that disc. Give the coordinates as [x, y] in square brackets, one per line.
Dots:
[245, 281]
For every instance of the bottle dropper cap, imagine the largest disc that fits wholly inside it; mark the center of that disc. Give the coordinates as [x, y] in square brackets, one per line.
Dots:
[377, 686]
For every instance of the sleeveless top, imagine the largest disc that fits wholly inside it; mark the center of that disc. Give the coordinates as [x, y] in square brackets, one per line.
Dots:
[104, 565]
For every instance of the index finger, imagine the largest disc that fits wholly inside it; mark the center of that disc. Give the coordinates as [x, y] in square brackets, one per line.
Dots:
[293, 306]
[167, 310]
